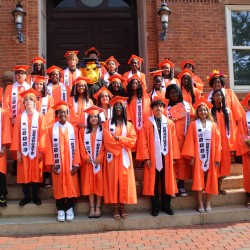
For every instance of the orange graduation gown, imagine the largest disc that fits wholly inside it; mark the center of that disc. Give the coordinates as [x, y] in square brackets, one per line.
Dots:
[146, 150]
[90, 183]
[126, 76]
[191, 150]
[6, 138]
[65, 185]
[119, 182]
[30, 170]
[56, 92]
[187, 95]
[244, 150]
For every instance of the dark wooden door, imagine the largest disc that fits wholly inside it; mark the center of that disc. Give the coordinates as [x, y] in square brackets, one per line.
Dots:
[113, 31]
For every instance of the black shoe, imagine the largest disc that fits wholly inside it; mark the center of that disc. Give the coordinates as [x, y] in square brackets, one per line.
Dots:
[24, 201]
[37, 201]
[3, 201]
[168, 210]
[154, 211]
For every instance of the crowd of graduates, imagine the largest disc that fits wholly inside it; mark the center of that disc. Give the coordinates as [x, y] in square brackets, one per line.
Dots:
[83, 135]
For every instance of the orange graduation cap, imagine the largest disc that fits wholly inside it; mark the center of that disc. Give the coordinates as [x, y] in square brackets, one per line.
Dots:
[116, 77]
[156, 73]
[246, 100]
[38, 59]
[71, 52]
[112, 59]
[92, 50]
[202, 101]
[81, 79]
[102, 89]
[52, 68]
[29, 92]
[93, 110]
[185, 72]
[165, 101]
[117, 99]
[186, 62]
[39, 79]
[60, 105]
[166, 61]
[21, 68]
[139, 59]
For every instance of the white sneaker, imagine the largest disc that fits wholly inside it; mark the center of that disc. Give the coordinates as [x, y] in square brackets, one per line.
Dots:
[61, 215]
[70, 214]
[182, 192]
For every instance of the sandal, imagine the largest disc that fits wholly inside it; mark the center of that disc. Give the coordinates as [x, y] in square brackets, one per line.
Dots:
[92, 212]
[98, 213]
[208, 208]
[116, 214]
[222, 191]
[124, 214]
[201, 208]
[248, 205]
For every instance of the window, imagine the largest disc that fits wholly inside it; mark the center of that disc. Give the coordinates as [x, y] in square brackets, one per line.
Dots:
[238, 36]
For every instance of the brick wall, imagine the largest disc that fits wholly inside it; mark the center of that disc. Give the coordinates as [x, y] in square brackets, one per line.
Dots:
[11, 52]
[197, 31]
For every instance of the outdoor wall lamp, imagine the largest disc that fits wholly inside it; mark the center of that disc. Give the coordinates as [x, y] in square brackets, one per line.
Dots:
[18, 14]
[164, 13]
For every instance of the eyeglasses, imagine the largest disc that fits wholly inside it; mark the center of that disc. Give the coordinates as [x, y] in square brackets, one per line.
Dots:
[21, 73]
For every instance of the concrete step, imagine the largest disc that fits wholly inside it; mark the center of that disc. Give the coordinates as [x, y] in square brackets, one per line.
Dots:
[233, 197]
[236, 169]
[40, 225]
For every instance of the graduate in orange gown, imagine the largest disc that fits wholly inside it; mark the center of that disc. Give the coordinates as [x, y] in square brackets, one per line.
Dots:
[217, 82]
[29, 141]
[111, 65]
[189, 92]
[119, 179]
[202, 147]
[5, 140]
[80, 100]
[138, 104]
[167, 68]
[103, 96]
[63, 156]
[222, 115]
[157, 85]
[243, 145]
[72, 72]
[116, 85]
[135, 63]
[92, 156]
[38, 69]
[189, 64]
[158, 147]
[181, 112]
[55, 88]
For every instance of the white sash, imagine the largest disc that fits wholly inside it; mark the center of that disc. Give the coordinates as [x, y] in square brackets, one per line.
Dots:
[102, 115]
[56, 145]
[97, 146]
[0, 130]
[63, 91]
[248, 121]
[139, 114]
[204, 142]
[14, 99]
[125, 155]
[67, 73]
[44, 107]
[228, 129]
[187, 107]
[160, 144]
[31, 147]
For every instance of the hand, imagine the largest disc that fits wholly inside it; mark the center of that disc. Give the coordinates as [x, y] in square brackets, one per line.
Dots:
[19, 157]
[88, 160]
[148, 163]
[116, 137]
[55, 169]
[3, 150]
[192, 162]
[74, 170]
[96, 162]
[217, 164]
[173, 119]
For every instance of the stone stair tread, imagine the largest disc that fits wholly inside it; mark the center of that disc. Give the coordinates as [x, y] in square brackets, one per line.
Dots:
[40, 225]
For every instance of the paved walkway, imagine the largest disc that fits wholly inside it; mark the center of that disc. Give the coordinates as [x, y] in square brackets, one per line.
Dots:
[215, 236]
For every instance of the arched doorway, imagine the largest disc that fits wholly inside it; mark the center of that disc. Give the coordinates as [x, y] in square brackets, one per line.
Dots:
[108, 25]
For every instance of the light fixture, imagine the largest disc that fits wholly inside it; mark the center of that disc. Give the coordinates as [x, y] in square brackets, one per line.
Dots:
[164, 13]
[18, 14]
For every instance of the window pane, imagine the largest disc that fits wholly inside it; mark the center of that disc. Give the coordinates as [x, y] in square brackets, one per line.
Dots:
[119, 3]
[241, 28]
[64, 3]
[241, 64]
[92, 3]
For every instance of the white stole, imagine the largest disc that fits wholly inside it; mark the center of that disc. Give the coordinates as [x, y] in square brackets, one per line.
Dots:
[125, 155]
[97, 148]
[130, 74]
[31, 147]
[248, 121]
[63, 91]
[56, 145]
[160, 143]
[102, 115]
[204, 142]
[139, 114]
[44, 107]
[187, 107]
[67, 73]
[165, 81]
